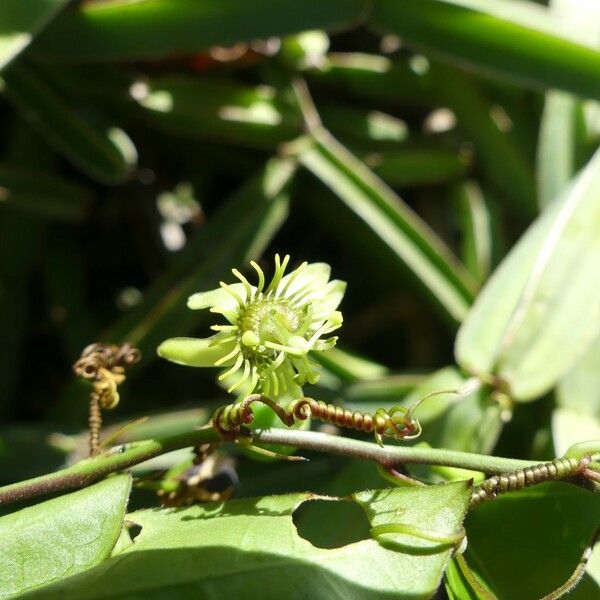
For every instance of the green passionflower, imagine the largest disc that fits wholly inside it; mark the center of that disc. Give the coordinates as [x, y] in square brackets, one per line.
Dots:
[270, 330]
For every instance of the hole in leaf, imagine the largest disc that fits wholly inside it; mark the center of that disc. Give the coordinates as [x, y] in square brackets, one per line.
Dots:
[331, 523]
[133, 529]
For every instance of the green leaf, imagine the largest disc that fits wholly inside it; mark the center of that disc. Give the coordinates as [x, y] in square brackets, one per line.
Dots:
[526, 544]
[252, 116]
[21, 21]
[579, 390]
[562, 130]
[42, 194]
[399, 228]
[457, 587]
[256, 117]
[477, 242]
[61, 537]
[468, 421]
[251, 549]
[156, 29]
[570, 426]
[102, 151]
[414, 167]
[539, 312]
[518, 41]
[375, 77]
[560, 133]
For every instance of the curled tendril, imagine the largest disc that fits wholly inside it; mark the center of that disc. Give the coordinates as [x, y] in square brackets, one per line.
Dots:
[397, 422]
[229, 420]
[561, 468]
[104, 365]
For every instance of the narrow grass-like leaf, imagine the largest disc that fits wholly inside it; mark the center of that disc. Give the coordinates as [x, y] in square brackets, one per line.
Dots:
[423, 166]
[255, 117]
[373, 76]
[518, 41]
[217, 110]
[102, 152]
[399, 228]
[477, 239]
[562, 130]
[21, 21]
[42, 194]
[541, 310]
[157, 29]
[250, 548]
[61, 537]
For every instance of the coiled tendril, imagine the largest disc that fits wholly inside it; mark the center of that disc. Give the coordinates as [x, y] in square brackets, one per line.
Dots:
[104, 365]
[398, 422]
[561, 468]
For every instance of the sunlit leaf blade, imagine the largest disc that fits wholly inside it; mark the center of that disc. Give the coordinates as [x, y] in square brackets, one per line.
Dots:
[102, 152]
[256, 116]
[552, 523]
[237, 234]
[251, 549]
[373, 76]
[157, 29]
[562, 129]
[42, 194]
[398, 227]
[540, 311]
[251, 116]
[579, 389]
[477, 242]
[21, 21]
[510, 41]
[561, 126]
[61, 537]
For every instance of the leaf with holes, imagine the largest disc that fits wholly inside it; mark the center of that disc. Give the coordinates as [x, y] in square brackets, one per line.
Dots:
[250, 548]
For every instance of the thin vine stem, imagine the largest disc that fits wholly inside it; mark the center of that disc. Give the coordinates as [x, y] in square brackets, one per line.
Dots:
[122, 457]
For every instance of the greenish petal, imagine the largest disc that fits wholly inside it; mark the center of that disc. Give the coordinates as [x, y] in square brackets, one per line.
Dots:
[314, 275]
[217, 297]
[329, 299]
[194, 352]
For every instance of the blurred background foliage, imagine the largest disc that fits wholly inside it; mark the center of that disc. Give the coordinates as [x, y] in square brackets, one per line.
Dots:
[150, 146]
